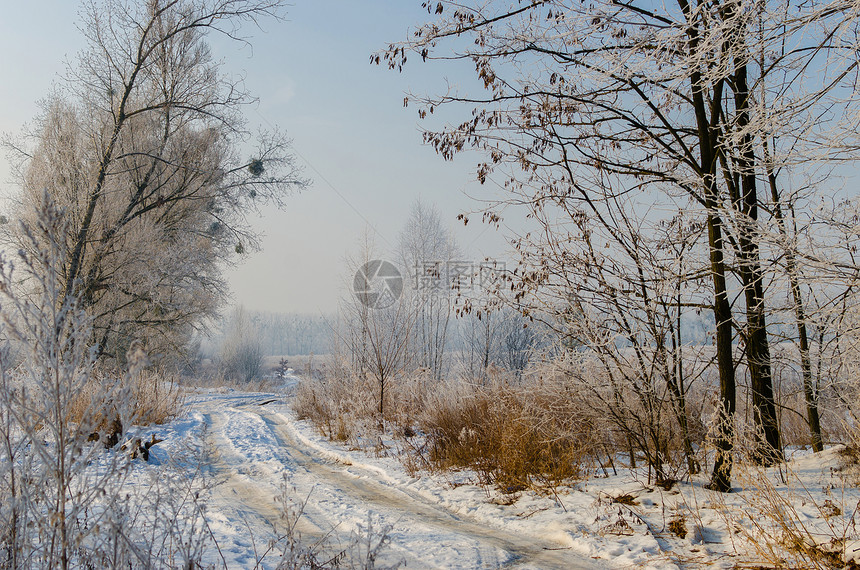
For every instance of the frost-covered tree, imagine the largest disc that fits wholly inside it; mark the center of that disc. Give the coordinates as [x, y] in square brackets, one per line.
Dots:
[427, 250]
[48, 488]
[578, 104]
[618, 289]
[241, 355]
[140, 145]
[377, 322]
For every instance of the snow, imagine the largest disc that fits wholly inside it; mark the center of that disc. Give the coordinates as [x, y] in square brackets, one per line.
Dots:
[257, 451]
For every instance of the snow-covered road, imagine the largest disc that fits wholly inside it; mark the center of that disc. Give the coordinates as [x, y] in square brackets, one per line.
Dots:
[257, 448]
[245, 453]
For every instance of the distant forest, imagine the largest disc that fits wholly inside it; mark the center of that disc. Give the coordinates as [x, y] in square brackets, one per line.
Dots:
[290, 333]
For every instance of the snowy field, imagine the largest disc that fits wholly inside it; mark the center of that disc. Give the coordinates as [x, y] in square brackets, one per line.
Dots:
[256, 461]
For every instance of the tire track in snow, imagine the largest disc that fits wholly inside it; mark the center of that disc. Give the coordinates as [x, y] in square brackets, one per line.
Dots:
[250, 490]
[414, 518]
[247, 489]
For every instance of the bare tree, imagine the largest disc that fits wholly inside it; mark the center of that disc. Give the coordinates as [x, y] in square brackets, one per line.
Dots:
[479, 334]
[583, 103]
[427, 250]
[140, 144]
[241, 352]
[620, 286]
[379, 321]
[518, 339]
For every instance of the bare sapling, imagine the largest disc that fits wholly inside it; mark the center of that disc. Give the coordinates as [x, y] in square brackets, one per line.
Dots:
[46, 480]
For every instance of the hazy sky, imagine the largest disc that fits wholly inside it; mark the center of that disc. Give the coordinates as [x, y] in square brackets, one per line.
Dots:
[358, 144]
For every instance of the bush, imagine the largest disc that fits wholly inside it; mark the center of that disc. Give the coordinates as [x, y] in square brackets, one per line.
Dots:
[150, 397]
[63, 500]
[338, 402]
[514, 437]
[530, 434]
[48, 413]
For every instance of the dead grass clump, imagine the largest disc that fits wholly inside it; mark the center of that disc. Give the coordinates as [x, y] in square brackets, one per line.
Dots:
[339, 403]
[314, 404]
[157, 397]
[849, 460]
[407, 399]
[310, 405]
[514, 438]
[110, 403]
[625, 499]
[678, 526]
[789, 524]
[666, 483]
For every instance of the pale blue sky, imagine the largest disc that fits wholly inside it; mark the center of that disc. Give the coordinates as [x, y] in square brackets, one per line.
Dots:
[312, 74]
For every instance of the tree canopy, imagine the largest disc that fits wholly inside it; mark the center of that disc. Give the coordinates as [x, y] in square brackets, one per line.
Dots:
[144, 147]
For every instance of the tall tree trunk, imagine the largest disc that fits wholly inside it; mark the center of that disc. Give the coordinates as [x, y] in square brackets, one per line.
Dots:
[768, 447]
[707, 121]
[799, 312]
[721, 478]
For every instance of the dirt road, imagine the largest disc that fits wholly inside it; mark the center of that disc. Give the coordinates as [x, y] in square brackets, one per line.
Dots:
[256, 451]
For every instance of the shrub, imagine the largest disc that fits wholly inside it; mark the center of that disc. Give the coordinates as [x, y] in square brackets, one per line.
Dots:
[513, 437]
[149, 397]
[47, 413]
[339, 402]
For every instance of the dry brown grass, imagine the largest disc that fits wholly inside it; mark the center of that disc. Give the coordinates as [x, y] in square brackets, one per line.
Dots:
[515, 433]
[849, 462]
[513, 437]
[157, 398]
[312, 403]
[678, 526]
[145, 398]
[785, 524]
[338, 402]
